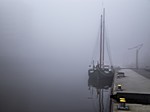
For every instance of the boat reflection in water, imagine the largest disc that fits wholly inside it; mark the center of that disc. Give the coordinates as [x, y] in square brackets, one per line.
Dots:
[101, 75]
[99, 83]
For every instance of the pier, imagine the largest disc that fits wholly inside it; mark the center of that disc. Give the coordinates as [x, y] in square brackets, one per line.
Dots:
[131, 92]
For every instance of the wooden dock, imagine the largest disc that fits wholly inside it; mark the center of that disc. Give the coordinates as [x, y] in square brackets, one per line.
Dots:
[131, 92]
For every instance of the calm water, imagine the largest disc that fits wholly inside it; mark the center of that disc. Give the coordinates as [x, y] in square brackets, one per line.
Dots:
[45, 87]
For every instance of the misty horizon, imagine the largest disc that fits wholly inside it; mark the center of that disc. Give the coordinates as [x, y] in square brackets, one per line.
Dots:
[46, 47]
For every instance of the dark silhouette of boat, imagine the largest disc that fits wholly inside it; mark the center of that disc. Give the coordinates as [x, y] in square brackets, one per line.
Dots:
[101, 75]
[100, 79]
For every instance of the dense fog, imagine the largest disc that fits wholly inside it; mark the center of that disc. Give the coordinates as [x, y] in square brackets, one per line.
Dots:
[46, 47]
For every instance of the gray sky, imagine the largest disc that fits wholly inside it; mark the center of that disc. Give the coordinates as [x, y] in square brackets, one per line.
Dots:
[46, 47]
[66, 30]
[128, 24]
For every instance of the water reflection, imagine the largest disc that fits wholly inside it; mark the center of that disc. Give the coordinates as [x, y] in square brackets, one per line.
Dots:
[33, 86]
[100, 91]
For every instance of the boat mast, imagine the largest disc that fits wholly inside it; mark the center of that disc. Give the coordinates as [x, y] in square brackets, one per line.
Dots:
[103, 37]
[100, 64]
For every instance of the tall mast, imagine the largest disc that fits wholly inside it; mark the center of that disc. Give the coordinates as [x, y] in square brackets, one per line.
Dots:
[103, 50]
[100, 43]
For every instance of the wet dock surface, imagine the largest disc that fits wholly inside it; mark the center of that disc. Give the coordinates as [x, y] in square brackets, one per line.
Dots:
[133, 82]
[143, 72]
[133, 108]
[135, 88]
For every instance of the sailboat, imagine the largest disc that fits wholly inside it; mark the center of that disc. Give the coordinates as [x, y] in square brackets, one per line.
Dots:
[101, 75]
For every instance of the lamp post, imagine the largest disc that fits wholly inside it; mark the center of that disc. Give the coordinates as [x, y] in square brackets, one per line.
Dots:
[138, 47]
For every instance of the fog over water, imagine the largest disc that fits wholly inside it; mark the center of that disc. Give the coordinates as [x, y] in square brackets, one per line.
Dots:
[46, 47]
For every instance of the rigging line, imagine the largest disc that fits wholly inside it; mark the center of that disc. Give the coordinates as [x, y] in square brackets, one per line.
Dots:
[108, 50]
[108, 46]
[95, 49]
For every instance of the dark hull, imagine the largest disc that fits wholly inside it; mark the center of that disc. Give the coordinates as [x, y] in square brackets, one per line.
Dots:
[100, 79]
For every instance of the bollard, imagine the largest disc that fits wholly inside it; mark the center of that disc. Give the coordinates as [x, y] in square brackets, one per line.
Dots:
[119, 87]
[122, 104]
